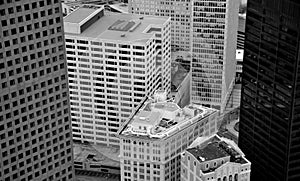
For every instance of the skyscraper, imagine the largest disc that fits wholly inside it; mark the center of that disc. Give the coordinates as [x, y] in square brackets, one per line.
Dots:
[209, 30]
[270, 104]
[114, 61]
[214, 26]
[35, 125]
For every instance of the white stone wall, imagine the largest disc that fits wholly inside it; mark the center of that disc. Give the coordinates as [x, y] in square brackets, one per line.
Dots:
[107, 81]
[163, 152]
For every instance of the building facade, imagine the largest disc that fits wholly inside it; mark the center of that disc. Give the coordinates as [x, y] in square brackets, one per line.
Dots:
[114, 61]
[152, 141]
[239, 66]
[214, 35]
[241, 32]
[180, 85]
[209, 30]
[270, 105]
[35, 124]
[214, 158]
[179, 11]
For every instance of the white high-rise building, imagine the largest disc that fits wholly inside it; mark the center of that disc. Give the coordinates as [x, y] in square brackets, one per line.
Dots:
[209, 30]
[114, 61]
[152, 141]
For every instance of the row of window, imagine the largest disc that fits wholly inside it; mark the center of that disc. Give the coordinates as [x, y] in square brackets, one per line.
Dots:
[123, 46]
[28, 6]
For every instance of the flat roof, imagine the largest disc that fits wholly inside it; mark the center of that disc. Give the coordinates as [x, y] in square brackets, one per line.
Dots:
[79, 14]
[210, 151]
[214, 147]
[168, 118]
[122, 7]
[122, 26]
[146, 118]
[103, 155]
[186, 55]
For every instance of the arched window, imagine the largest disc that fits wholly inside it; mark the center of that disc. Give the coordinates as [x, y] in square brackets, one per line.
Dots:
[230, 177]
[206, 166]
[236, 177]
[224, 178]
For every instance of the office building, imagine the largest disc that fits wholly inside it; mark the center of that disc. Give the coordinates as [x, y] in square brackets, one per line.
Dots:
[114, 61]
[152, 140]
[179, 11]
[214, 158]
[35, 124]
[209, 30]
[215, 26]
[270, 105]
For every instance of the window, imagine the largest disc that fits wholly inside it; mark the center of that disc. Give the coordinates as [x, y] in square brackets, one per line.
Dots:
[4, 23]
[10, 10]
[42, 3]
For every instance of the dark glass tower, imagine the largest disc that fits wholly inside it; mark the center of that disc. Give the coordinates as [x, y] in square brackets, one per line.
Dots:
[270, 103]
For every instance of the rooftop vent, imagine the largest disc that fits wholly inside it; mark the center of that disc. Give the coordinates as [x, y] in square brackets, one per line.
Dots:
[160, 96]
[91, 6]
[122, 25]
[201, 158]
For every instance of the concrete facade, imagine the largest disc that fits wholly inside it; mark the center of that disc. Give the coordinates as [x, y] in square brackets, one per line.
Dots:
[35, 123]
[153, 139]
[214, 158]
[113, 63]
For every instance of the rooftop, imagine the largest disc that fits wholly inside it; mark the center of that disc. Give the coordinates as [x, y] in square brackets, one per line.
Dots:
[210, 152]
[121, 26]
[103, 155]
[214, 147]
[80, 14]
[180, 54]
[158, 118]
[182, 57]
[121, 7]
